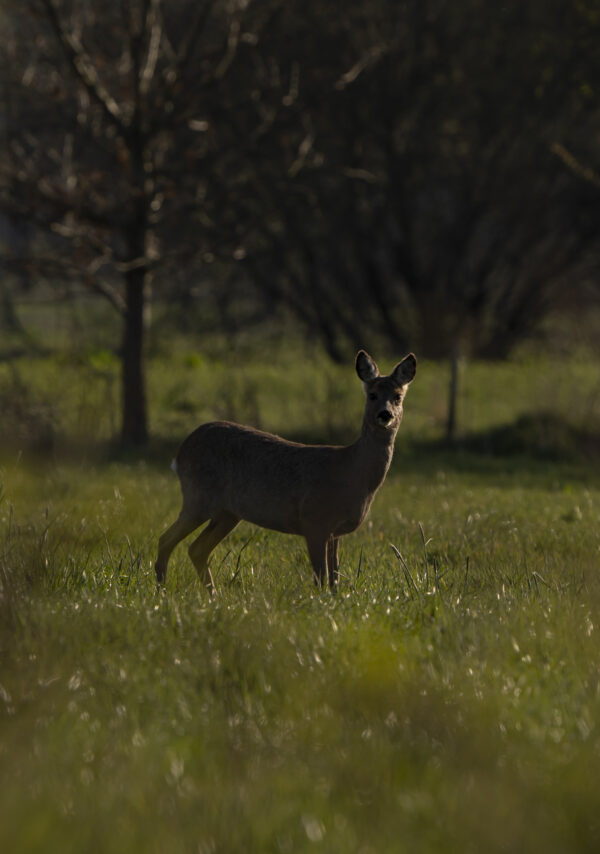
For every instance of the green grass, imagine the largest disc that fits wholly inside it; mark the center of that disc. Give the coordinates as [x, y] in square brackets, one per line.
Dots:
[446, 699]
[55, 402]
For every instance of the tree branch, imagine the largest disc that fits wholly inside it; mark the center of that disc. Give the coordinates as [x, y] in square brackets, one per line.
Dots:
[184, 54]
[233, 40]
[153, 25]
[571, 162]
[51, 266]
[83, 68]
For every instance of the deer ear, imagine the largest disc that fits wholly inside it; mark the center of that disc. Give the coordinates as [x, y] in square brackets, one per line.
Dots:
[405, 371]
[366, 368]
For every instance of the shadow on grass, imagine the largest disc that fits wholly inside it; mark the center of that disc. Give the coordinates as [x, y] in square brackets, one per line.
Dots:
[540, 444]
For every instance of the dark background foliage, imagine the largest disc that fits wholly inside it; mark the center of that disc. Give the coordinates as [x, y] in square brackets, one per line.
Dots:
[420, 174]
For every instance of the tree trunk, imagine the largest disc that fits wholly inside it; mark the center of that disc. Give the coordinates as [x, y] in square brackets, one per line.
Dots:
[453, 395]
[9, 319]
[134, 429]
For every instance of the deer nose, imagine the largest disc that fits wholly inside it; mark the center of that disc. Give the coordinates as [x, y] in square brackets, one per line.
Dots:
[384, 416]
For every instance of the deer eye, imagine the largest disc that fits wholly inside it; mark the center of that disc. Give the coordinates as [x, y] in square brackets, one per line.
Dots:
[397, 398]
[372, 395]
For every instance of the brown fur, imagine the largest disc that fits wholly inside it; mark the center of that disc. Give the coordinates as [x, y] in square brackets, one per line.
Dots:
[229, 472]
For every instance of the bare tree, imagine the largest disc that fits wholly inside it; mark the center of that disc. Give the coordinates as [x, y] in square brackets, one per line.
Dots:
[119, 144]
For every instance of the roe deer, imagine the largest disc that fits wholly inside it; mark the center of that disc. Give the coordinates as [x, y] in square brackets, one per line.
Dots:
[229, 472]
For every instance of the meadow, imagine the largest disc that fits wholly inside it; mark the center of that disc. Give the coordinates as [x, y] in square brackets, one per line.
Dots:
[445, 699]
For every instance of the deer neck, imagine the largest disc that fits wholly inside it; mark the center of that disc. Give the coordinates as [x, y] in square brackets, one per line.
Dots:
[373, 454]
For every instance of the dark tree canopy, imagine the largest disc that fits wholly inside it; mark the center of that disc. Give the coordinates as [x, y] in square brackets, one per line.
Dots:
[419, 172]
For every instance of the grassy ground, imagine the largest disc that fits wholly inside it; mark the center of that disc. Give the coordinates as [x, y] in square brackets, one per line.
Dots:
[446, 699]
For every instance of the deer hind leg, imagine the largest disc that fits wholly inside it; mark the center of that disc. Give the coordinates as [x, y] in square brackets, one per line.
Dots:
[180, 528]
[317, 551]
[332, 561]
[211, 536]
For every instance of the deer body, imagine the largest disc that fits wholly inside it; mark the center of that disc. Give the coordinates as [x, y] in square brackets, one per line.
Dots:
[229, 472]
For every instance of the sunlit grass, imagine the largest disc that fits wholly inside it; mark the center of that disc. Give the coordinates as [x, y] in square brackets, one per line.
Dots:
[445, 699]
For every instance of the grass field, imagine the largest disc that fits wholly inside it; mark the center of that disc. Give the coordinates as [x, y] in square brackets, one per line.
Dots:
[446, 699]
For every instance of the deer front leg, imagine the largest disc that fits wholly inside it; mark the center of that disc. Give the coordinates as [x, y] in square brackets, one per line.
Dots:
[332, 561]
[317, 551]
